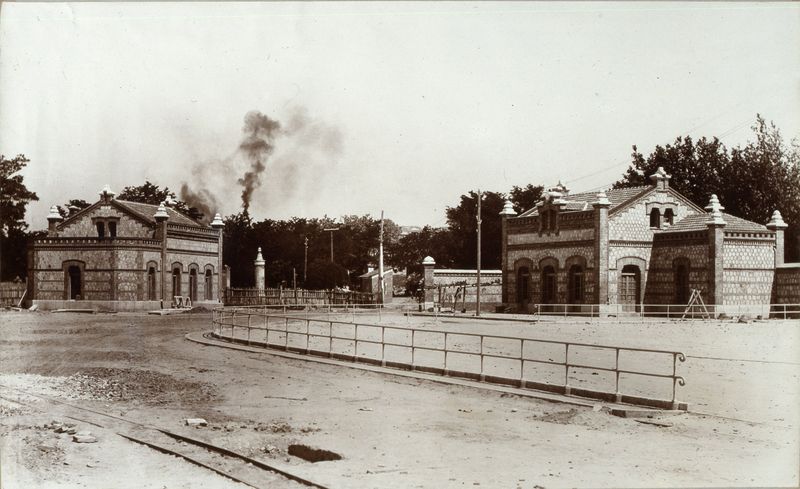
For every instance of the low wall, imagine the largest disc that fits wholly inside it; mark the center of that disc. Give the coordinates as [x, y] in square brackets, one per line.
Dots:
[450, 282]
[786, 287]
[112, 306]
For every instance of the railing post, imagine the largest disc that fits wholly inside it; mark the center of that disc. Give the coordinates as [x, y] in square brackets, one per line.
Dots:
[482, 374]
[249, 316]
[413, 367]
[330, 339]
[446, 371]
[521, 363]
[308, 335]
[266, 329]
[383, 346]
[355, 340]
[285, 330]
[567, 388]
[617, 393]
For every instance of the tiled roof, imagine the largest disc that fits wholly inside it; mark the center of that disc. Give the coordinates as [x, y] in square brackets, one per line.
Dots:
[697, 222]
[583, 201]
[148, 210]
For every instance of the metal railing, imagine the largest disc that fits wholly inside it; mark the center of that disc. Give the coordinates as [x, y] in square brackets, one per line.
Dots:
[672, 311]
[265, 321]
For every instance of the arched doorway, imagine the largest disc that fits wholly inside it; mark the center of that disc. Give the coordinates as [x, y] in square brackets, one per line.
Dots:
[151, 283]
[682, 283]
[74, 283]
[629, 288]
[548, 285]
[193, 284]
[208, 286]
[523, 286]
[176, 281]
[575, 285]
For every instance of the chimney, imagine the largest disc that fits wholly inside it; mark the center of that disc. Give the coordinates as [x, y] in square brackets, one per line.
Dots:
[53, 218]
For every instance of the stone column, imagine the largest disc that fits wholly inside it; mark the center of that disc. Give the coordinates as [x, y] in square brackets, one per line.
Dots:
[601, 207]
[260, 271]
[505, 214]
[53, 218]
[777, 225]
[430, 286]
[219, 226]
[161, 218]
[716, 234]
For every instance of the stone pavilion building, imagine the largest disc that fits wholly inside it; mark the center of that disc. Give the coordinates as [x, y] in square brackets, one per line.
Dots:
[125, 256]
[633, 247]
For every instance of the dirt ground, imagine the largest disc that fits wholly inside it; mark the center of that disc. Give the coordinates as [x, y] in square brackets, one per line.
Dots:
[390, 431]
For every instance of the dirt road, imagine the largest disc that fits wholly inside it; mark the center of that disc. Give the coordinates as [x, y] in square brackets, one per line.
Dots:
[390, 431]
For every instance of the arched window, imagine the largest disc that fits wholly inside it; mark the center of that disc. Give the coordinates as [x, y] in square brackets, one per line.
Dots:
[193, 284]
[575, 285]
[655, 218]
[669, 217]
[208, 286]
[151, 283]
[176, 281]
[523, 285]
[548, 285]
[682, 282]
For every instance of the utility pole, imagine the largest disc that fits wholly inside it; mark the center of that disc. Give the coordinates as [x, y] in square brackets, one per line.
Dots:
[331, 231]
[305, 262]
[478, 219]
[380, 262]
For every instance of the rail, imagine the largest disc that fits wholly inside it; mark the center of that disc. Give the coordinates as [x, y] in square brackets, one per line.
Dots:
[273, 327]
[679, 311]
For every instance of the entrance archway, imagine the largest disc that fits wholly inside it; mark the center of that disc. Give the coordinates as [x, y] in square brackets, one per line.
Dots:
[629, 288]
[74, 282]
[523, 285]
[548, 285]
[176, 281]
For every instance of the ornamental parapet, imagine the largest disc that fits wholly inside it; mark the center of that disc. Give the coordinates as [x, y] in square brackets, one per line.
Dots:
[75, 242]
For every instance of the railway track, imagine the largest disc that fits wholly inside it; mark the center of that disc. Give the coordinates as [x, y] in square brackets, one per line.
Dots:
[227, 463]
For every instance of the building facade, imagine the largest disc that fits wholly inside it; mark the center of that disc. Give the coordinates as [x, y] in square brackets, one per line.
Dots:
[118, 255]
[636, 246]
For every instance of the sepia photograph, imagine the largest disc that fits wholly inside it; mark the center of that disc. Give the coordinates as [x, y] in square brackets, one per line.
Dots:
[399, 244]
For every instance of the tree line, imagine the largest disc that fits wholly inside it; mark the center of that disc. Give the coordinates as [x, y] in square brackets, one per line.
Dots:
[751, 181]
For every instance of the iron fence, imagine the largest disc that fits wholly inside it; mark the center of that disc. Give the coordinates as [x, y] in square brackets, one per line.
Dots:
[279, 329]
[281, 296]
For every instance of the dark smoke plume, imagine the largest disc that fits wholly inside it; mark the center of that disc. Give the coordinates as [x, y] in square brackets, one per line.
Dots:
[203, 200]
[257, 145]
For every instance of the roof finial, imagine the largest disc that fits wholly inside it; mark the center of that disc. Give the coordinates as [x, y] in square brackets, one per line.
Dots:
[508, 209]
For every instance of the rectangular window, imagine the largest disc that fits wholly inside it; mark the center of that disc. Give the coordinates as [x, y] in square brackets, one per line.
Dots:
[101, 230]
[112, 229]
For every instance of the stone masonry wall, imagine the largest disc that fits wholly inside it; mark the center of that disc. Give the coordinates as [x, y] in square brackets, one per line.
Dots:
[748, 270]
[127, 227]
[786, 288]
[633, 223]
[660, 287]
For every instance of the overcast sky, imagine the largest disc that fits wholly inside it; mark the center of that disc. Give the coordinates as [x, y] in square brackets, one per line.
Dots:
[401, 107]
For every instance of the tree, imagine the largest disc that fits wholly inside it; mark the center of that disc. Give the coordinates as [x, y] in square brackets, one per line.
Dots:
[153, 194]
[73, 206]
[525, 198]
[463, 228]
[751, 181]
[14, 198]
[14, 195]
[324, 274]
